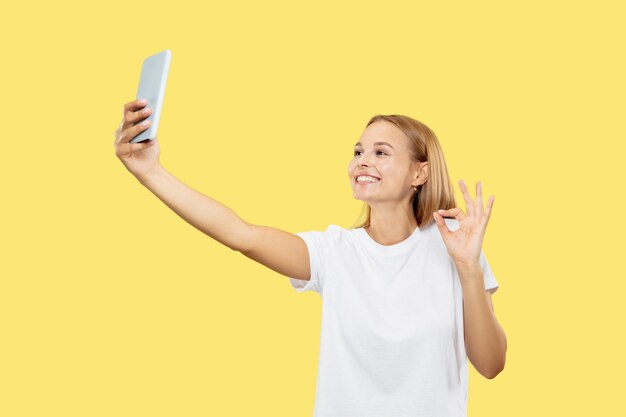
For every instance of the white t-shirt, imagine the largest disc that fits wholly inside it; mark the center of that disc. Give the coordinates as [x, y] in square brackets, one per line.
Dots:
[392, 342]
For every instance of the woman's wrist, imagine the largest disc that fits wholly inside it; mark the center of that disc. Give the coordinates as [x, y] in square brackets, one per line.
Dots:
[151, 175]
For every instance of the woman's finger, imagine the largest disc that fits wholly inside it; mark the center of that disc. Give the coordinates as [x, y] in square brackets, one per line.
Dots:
[134, 117]
[456, 213]
[131, 132]
[134, 112]
[488, 209]
[441, 225]
[134, 105]
[479, 199]
[469, 203]
[134, 147]
[130, 148]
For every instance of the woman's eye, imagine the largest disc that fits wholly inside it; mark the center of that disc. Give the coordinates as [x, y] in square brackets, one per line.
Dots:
[356, 152]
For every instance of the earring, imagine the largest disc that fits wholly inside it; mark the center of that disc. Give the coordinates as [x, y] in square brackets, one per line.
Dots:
[414, 188]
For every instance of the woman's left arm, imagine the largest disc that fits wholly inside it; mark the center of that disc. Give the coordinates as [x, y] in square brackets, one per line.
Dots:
[485, 341]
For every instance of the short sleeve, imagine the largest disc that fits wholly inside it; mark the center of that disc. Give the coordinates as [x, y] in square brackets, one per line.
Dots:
[318, 244]
[488, 277]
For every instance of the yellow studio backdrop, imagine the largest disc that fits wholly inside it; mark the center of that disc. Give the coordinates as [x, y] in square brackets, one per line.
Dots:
[112, 305]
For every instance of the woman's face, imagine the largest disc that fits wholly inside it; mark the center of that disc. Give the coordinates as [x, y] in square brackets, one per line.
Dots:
[389, 161]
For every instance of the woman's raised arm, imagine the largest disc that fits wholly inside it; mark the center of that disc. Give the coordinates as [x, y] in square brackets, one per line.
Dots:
[280, 251]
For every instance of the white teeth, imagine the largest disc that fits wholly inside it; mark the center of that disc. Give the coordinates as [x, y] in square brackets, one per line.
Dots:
[364, 178]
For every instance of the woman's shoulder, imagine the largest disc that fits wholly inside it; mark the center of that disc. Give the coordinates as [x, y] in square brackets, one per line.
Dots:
[332, 233]
[336, 232]
[340, 235]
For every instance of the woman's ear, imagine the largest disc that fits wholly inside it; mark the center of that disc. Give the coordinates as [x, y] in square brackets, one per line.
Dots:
[422, 175]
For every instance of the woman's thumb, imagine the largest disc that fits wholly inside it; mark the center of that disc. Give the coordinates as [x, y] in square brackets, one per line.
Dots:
[143, 145]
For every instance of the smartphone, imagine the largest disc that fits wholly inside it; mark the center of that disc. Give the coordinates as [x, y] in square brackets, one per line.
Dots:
[152, 88]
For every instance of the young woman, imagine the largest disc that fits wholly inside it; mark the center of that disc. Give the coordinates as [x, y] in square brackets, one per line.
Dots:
[403, 304]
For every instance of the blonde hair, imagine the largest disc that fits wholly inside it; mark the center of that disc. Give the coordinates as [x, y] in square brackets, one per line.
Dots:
[437, 192]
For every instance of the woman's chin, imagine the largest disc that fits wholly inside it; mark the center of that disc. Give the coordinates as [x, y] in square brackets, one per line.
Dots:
[358, 196]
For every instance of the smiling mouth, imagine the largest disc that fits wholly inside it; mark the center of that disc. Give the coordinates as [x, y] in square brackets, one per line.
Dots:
[366, 182]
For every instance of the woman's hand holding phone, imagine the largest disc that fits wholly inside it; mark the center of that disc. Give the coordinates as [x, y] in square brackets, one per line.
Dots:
[138, 158]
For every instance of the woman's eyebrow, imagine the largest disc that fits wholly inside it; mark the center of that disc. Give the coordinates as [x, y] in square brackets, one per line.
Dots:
[375, 143]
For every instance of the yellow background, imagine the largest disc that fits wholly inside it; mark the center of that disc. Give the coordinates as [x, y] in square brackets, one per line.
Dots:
[112, 305]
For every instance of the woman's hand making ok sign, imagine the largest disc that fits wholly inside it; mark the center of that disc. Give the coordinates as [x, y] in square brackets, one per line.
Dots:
[465, 244]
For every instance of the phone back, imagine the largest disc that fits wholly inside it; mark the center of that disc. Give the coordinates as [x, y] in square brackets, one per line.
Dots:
[152, 88]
